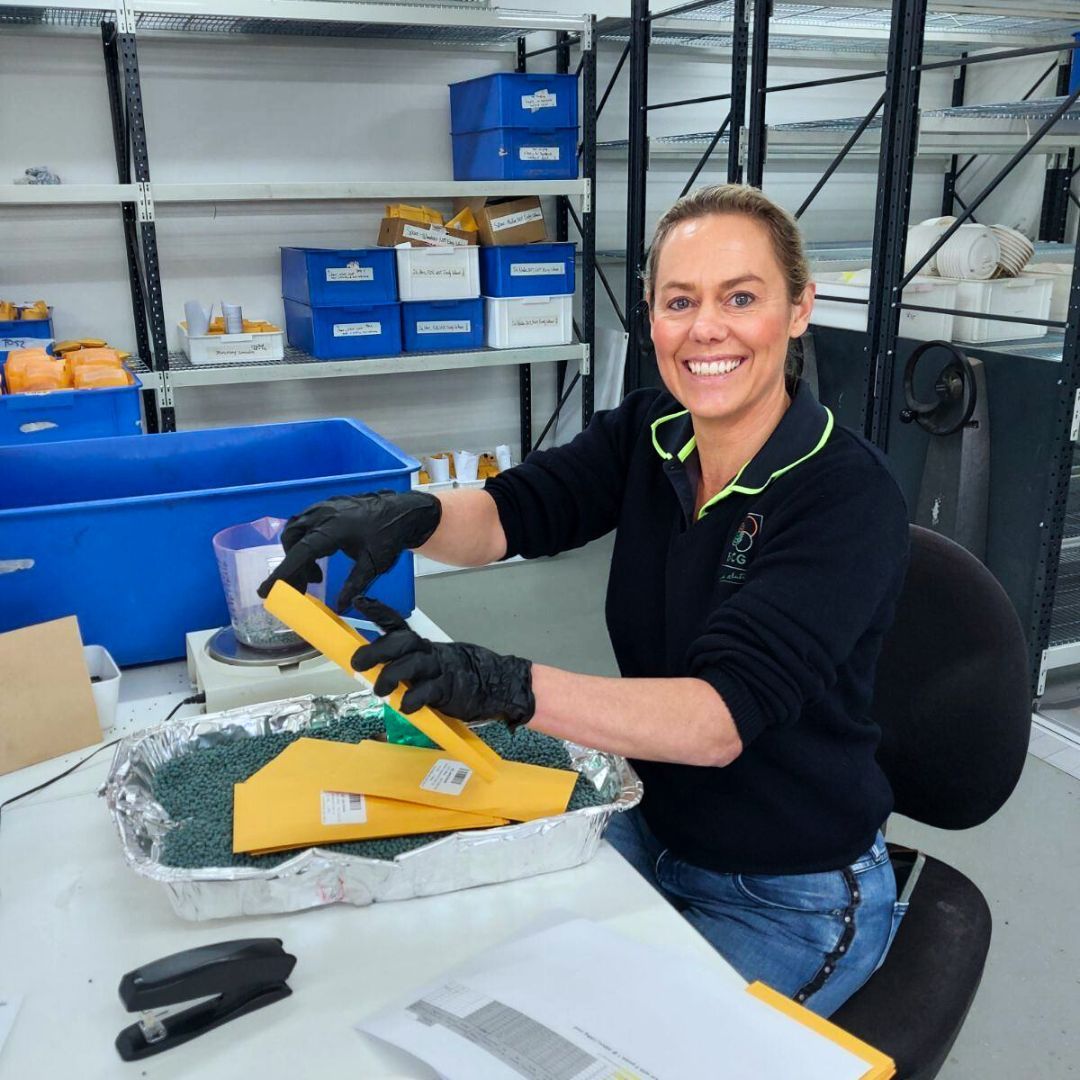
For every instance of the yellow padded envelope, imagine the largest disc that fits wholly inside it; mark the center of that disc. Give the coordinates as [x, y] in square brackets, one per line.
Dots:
[337, 640]
[433, 778]
[302, 803]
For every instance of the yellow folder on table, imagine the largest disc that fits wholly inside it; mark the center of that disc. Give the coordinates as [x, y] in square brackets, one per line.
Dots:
[336, 639]
[298, 807]
[879, 1066]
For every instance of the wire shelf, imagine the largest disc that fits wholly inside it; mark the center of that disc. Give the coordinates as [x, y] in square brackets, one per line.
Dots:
[1006, 110]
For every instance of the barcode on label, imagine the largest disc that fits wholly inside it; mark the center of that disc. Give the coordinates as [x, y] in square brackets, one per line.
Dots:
[447, 777]
[343, 808]
[539, 153]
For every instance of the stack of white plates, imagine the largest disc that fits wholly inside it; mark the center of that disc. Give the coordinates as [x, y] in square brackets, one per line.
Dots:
[971, 253]
[920, 238]
[1016, 250]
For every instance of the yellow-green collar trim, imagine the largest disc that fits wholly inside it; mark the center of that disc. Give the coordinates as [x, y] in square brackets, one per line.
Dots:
[735, 488]
[686, 450]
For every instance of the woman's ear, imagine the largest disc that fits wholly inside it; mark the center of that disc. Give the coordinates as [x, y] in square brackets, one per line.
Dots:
[801, 311]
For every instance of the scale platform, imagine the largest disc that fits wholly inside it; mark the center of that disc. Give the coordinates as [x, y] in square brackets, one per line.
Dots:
[231, 675]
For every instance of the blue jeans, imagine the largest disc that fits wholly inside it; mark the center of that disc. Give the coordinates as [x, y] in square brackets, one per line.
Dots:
[814, 937]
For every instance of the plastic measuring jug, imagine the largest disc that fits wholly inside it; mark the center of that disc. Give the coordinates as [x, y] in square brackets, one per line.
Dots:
[246, 554]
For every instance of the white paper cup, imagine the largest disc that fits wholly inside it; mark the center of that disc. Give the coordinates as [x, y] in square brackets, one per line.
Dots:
[233, 314]
[438, 468]
[198, 321]
[465, 464]
[502, 456]
[106, 690]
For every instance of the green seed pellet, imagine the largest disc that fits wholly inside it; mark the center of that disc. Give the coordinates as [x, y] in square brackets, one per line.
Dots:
[196, 790]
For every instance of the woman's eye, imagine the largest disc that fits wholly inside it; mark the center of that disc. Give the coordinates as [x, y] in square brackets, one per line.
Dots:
[742, 299]
[680, 303]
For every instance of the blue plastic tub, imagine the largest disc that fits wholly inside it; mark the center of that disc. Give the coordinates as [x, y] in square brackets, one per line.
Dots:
[61, 415]
[345, 277]
[443, 324]
[13, 332]
[8, 342]
[1074, 72]
[119, 531]
[516, 154]
[527, 270]
[511, 99]
[338, 333]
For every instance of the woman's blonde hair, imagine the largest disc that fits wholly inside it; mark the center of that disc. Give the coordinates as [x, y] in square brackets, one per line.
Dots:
[748, 202]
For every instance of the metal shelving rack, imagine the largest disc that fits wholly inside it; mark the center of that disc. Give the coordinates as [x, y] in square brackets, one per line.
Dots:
[896, 131]
[452, 23]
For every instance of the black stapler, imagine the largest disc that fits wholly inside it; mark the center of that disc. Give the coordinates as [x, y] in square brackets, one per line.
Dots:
[236, 976]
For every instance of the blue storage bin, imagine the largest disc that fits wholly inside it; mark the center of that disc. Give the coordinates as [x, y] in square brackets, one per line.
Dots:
[1074, 72]
[340, 333]
[513, 99]
[12, 332]
[61, 415]
[118, 531]
[344, 277]
[8, 342]
[516, 154]
[527, 270]
[443, 324]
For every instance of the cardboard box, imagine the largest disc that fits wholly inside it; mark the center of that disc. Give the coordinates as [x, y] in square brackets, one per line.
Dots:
[507, 221]
[394, 231]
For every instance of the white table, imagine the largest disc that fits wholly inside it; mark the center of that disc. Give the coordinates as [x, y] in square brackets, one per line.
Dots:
[74, 919]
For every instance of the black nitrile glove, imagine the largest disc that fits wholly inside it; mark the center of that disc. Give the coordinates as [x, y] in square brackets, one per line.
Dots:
[466, 681]
[373, 530]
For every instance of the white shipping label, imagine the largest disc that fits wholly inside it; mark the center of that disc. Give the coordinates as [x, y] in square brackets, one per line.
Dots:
[447, 777]
[542, 99]
[343, 808]
[444, 326]
[437, 271]
[357, 329]
[352, 272]
[531, 321]
[521, 217]
[536, 269]
[433, 237]
[539, 153]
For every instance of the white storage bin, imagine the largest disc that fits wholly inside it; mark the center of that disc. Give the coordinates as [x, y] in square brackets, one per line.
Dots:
[438, 273]
[232, 348]
[1061, 276]
[917, 325]
[1028, 294]
[517, 322]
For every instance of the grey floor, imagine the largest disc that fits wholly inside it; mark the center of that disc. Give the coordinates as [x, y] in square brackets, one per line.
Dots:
[1025, 1022]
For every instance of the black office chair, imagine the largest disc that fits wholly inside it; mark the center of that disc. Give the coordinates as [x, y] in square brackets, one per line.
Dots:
[953, 699]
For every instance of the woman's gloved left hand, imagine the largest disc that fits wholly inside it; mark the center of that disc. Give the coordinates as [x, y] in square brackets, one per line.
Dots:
[466, 681]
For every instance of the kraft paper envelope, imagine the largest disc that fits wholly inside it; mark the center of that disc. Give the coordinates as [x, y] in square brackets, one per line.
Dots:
[336, 639]
[281, 812]
[427, 777]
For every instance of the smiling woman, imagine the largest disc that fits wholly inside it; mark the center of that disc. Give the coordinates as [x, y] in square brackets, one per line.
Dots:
[759, 551]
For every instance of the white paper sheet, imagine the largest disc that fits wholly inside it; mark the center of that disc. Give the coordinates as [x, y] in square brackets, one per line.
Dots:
[581, 1002]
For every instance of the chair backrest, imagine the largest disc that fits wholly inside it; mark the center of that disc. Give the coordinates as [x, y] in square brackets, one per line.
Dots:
[952, 695]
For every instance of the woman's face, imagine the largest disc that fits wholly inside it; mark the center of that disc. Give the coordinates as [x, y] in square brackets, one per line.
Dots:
[721, 317]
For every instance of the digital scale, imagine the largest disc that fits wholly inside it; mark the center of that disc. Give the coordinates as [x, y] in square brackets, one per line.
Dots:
[232, 674]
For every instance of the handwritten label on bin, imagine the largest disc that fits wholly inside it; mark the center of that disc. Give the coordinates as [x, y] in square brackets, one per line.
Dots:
[539, 153]
[444, 326]
[352, 272]
[357, 329]
[512, 221]
[536, 269]
[542, 99]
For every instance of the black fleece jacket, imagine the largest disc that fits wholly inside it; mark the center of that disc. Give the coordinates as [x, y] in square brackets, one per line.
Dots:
[778, 595]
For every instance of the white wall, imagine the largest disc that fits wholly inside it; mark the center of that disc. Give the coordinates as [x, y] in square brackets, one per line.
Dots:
[309, 109]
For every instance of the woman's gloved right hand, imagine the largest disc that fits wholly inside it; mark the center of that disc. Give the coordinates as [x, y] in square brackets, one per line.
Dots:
[372, 529]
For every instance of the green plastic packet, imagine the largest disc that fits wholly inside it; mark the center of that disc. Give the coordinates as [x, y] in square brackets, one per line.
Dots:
[400, 730]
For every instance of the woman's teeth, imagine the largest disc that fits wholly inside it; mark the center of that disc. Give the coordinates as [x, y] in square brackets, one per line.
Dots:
[713, 367]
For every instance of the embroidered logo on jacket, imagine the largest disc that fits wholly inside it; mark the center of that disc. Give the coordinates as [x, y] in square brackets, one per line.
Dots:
[741, 549]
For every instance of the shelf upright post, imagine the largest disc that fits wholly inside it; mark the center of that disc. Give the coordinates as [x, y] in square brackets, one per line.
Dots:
[128, 210]
[524, 370]
[740, 44]
[948, 191]
[759, 76]
[588, 217]
[1053, 220]
[637, 167]
[1064, 435]
[139, 156]
[896, 164]
[562, 215]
